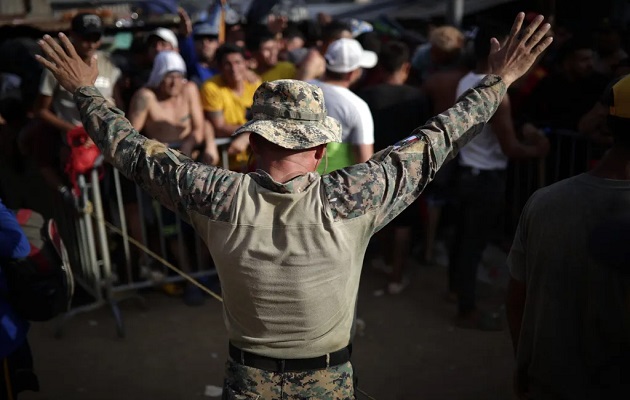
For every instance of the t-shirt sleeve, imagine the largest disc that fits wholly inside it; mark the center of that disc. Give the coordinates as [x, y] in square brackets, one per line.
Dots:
[48, 84]
[211, 98]
[116, 73]
[363, 132]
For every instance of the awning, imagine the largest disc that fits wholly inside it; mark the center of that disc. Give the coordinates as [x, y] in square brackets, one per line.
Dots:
[397, 9]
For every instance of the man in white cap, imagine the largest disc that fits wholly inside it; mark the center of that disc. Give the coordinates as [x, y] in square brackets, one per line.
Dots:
[345, 60]
[161, 39]
[288, 243]
[168, 109]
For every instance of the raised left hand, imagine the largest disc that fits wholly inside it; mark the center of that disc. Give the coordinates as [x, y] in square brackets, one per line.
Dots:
[68, 68]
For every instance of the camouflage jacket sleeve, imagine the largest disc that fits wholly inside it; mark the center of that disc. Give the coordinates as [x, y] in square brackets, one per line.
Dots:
[172, 178]
[395, 177]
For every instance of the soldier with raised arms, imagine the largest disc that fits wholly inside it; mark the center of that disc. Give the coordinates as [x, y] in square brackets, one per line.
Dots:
[289, 243]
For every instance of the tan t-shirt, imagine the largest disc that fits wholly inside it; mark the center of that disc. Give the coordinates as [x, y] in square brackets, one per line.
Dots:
[63, 101]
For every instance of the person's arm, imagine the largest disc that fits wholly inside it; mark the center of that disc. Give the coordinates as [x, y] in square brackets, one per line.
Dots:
[44, 112]
[196, 135]
[503, 127]
[362, 134]
[517, 289]
[211, 151]
[515, 306]
[221, 128]
[13, 241]
[139, 108]
[362, 152]
[396, 176]
[173, 179]
[312, 67]
[44, 101]
[212, 101]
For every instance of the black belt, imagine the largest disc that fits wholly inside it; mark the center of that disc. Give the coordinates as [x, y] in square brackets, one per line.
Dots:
[289, 365]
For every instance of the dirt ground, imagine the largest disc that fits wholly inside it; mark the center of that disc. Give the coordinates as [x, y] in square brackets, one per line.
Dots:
[409, 350]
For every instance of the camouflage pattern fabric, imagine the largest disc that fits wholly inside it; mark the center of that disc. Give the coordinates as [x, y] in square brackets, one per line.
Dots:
[242, 382]
[382, 187]
[386, 184]
[292, 114]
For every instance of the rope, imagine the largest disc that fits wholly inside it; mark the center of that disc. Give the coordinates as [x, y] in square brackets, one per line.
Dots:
[365, 394]
[161, 260]
[167, 264]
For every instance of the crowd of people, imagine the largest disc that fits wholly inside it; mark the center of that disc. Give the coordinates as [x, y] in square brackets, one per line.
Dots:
[186, 88]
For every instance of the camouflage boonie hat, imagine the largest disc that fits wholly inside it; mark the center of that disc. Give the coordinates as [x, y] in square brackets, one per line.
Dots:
[291, 114]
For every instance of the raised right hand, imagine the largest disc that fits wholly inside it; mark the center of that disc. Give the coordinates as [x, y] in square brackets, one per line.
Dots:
[520, 50]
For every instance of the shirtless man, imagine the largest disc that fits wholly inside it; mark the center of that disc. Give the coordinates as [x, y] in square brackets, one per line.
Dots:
[168, 109]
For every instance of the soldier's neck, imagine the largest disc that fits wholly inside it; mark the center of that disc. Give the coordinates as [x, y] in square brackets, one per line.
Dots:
[285, 169]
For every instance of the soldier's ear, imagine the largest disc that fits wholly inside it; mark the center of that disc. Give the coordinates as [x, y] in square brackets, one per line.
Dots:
[320, 151]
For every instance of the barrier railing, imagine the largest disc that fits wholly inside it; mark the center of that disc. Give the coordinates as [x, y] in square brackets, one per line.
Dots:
[570, 154]
[87, 223]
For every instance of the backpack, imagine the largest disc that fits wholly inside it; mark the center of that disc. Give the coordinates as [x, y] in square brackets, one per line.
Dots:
[83, 155]
[40, 286]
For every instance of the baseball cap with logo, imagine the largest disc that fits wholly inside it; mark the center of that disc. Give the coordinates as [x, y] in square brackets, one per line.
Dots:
[87, 25]
[291, 114]
[346, 55]
[166, 35]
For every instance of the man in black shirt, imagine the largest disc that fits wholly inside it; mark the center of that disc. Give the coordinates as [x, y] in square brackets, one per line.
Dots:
[396, 108]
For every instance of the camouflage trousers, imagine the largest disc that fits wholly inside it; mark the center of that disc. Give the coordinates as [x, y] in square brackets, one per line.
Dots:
[245, 383]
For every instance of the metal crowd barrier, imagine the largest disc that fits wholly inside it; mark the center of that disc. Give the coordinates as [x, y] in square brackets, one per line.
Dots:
[570, 154]
[84, 220]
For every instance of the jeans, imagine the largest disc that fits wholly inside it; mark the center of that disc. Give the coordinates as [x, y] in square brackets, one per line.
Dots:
[481, 204]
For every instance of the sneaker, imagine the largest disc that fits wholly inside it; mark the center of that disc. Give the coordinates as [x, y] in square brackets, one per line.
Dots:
[172, 289]
[379, 264]
[397, 287]
[360, 327]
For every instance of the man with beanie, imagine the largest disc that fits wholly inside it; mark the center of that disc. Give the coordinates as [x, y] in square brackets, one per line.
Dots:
[289, 243]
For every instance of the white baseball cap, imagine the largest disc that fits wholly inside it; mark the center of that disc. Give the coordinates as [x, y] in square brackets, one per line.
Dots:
[346, 55]
[165, 34]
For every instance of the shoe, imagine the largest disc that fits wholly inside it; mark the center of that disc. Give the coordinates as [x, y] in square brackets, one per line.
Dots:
[480, 320]
[379, 264]
[397, 287]
[172, 289]
[193, 296]
[360, 327]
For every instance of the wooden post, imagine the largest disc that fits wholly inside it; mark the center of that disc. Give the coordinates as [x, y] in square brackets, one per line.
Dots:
[222, 32]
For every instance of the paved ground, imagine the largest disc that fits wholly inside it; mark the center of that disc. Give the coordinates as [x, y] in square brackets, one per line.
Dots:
[409, 350]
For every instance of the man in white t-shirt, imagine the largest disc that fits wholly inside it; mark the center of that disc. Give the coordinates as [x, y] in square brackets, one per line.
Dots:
[345, 59]
[55, 106]
[480, 190]
[568, 302]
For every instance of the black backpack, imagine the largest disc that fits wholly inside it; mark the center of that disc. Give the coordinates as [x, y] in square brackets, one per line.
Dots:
[40, 286]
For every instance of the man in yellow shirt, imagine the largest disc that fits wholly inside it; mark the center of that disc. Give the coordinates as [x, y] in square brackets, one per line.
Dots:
[227, 97]
[265, 48]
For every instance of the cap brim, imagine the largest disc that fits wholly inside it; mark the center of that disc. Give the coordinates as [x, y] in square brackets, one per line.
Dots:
[368, 59]
[295, 135]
